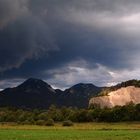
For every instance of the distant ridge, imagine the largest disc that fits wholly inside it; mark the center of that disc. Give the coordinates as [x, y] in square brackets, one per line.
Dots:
[35, 93]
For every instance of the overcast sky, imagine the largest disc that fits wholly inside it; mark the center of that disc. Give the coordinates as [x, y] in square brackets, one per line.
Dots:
[65, 42]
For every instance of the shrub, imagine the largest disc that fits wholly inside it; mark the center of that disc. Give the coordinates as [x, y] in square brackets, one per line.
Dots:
[50, 122]
[40, 122]
[67, 123]
[26, 122]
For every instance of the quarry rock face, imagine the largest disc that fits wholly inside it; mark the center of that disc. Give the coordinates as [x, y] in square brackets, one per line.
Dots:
[119, 97]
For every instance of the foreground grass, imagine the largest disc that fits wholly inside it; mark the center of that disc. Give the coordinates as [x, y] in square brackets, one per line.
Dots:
[86, 131]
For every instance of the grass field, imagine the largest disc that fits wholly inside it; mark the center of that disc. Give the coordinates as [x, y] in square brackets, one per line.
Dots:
[86, 131]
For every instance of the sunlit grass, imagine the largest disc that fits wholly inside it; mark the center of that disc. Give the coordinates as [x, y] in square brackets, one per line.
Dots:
[81, 126]
[81, 131]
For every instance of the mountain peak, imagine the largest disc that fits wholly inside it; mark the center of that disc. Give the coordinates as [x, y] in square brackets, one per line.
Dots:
[83, 89]
[33, 80]
[34, 83]
[82, 85]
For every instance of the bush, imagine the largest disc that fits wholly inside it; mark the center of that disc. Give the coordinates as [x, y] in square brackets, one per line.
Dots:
[26, 122]
[50, 122]
[67, 123]
[40, 122]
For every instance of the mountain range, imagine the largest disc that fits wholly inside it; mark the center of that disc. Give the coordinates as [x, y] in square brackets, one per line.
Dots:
[35, 93]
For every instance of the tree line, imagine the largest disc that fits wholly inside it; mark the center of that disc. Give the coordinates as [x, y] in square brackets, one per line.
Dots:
[128, 112]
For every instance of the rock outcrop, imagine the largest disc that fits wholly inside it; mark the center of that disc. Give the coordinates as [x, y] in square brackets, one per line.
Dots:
[119, 97]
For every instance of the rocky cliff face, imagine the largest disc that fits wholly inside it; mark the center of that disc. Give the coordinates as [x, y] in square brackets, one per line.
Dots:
[119, 97]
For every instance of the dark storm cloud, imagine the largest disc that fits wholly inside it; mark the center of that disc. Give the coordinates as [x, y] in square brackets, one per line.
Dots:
[49, 39]
[23, 40]
[22, 36]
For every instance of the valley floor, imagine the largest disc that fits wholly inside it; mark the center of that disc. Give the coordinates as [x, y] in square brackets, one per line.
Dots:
[82, 131]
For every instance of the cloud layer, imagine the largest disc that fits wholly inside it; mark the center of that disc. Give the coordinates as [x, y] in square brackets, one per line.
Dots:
[65, 42]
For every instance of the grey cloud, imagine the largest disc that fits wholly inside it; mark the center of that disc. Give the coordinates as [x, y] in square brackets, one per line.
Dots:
[7, 83]
[108, 37]
[10, 10]
[79, 72]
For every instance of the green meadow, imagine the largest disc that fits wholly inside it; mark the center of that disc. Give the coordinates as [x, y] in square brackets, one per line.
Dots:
[81, 131]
